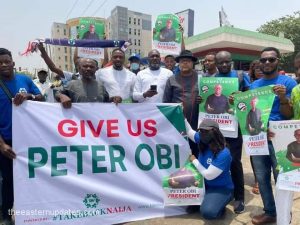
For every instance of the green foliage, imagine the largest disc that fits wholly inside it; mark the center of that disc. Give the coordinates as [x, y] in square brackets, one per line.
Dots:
[290, 26]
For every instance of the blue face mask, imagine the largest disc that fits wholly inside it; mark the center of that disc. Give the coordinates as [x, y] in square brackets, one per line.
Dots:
[134, 66]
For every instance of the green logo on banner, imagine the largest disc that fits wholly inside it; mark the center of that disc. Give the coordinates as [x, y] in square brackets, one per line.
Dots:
[91, 200]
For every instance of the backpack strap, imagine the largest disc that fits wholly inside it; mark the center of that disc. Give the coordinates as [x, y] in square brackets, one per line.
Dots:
[6, 91]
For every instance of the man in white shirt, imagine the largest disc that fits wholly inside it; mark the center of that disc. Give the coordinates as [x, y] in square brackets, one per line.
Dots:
[118, 81]
[44, 85]
[150, 83]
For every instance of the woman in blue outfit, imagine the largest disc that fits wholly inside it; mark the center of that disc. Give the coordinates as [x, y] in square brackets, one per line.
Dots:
[214, 164]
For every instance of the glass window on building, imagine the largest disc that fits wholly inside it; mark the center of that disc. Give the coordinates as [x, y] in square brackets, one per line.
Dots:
[58, 49]
[134, 31]
[139, 21]
[66, 67]
[65, 32]
[139, 42]
[134, 21]
[129, 20]
[57, 30]
[66, 58]
[139, 51]
[66, 50]
[129, 30]
[134, 41]
[139, 32]
[59, 57]
[130, 51]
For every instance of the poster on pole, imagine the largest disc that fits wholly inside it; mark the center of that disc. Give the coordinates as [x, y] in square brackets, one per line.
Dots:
[215, 105]
[96, 162]
[167, 36]
[253, 109]
[92, 29]
[287, 150]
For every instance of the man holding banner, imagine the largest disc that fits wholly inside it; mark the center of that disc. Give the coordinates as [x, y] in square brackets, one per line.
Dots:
[224, 63]
[264, 164]
[14, 89]
[117, 80]
[87, 89]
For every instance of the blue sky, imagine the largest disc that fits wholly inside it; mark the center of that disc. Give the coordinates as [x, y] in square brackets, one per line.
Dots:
[22, 21]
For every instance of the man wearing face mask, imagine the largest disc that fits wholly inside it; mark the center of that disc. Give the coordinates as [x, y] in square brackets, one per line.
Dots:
[135, 62]
[150, 83]
[117, 80]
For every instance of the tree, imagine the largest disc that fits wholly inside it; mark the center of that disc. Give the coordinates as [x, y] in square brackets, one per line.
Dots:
[290, 26]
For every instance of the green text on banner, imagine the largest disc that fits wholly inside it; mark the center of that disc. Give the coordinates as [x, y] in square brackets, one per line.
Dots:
[96, 161]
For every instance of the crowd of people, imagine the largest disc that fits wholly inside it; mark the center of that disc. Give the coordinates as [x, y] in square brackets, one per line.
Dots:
[217, 158]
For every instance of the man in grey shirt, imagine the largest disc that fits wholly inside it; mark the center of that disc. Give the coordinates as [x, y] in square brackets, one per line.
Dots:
[87, 89]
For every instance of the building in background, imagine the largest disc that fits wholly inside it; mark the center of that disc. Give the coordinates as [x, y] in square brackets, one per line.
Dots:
[124, 24]
[61, 55]
[244, 45]
[188, 21]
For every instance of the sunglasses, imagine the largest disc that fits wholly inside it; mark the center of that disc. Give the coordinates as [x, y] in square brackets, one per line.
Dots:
[270, 59]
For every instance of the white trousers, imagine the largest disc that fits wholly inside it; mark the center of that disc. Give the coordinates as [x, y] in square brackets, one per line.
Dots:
[284, 203]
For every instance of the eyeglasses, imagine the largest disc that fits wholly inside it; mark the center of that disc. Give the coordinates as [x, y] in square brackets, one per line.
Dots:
[270, 59]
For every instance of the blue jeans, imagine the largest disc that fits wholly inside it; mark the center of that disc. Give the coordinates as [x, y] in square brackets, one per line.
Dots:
[214, 202]
[263, 166]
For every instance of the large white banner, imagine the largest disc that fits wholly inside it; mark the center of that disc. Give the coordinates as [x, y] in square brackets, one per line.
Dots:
[95, 163]
[287, 149]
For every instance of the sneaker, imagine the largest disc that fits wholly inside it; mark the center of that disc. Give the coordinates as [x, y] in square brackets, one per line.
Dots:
[239, 207]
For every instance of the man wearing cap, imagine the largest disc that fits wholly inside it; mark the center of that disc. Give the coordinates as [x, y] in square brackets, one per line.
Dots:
[135, 62]
[44, 85]
[150, 83]
[183, 88]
